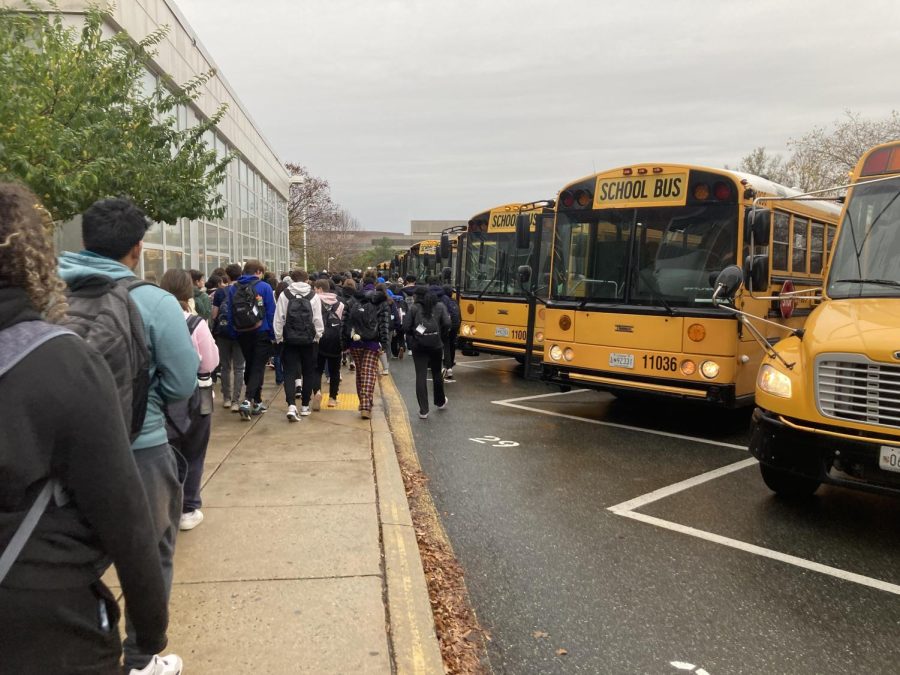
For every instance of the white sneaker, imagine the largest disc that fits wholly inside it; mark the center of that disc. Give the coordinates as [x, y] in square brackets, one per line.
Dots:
[226, 403]
[444, 405]
[292, 414]
[190, 520]
[304, 410]
[317, 401]
[235, 406]
[170, 664]
[423, 416]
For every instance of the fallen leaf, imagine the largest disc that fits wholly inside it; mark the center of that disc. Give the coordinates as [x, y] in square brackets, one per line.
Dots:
[540, 634]
[562, 652]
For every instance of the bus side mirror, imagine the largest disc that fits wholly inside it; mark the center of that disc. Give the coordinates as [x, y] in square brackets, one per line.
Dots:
[759, 222]
[524, 274]
[756, 272]
[444, 250]
[523, 231]
[728, 283]
[446, 273]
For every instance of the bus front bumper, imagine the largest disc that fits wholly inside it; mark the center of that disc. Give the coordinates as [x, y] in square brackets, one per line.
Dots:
[824, 454]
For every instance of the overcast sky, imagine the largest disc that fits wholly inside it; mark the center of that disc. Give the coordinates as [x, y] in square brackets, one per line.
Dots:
[421, 109]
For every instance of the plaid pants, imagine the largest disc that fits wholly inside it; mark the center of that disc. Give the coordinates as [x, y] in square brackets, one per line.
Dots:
[367, 368]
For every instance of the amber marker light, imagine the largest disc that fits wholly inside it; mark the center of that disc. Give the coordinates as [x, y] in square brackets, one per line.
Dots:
[565, 322]
[542, 314]
[696, 332]
[701, 191]
[470, 308]
[688, 367]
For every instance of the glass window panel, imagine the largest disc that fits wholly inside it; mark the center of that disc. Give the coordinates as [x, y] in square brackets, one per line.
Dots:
[174, 234]
[212, 262]
[781, 234]
[248, 248]
[174, 260]
[212, 238]
[830, 241]
[816, 247]
[800, 245]
[153, 264]
[154, 234]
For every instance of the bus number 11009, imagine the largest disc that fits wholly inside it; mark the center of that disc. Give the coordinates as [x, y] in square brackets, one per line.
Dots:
[660, 362]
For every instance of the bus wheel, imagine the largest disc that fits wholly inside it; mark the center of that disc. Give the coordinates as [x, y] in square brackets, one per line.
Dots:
[520, 359]
[787, 484]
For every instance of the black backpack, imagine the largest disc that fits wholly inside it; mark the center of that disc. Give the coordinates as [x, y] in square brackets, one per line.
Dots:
[426, 330]
[246, 314]
[330, 342]
[223, 318]
[364, 320]
[102, 312]
[299, 329]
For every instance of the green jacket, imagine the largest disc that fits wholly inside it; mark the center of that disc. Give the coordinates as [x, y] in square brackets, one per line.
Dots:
[202, 303]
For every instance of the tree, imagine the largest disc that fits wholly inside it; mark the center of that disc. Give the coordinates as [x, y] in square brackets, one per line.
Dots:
[329, 247]
[76, 124]
[761, 163]
[384, 250]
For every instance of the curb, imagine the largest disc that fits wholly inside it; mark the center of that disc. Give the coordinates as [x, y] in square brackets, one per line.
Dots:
[411, 631]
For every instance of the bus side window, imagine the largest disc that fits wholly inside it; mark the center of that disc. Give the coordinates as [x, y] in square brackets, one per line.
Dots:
[781, 235]
[799, 241]
[816, 247]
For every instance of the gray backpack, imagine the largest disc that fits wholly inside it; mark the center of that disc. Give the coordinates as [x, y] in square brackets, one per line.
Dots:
[102, 312]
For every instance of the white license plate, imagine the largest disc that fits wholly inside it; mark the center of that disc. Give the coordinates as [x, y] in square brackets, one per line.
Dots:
[501, 331]
[889, 458]
[621, 360]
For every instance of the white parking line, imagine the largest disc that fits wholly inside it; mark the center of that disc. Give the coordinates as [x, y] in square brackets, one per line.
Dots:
[476, 364]
[627, 509]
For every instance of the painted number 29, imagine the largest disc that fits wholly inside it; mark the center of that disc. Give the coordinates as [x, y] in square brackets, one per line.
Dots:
[495, 441]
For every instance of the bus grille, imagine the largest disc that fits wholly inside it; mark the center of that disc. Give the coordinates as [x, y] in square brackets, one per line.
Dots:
[852, 388]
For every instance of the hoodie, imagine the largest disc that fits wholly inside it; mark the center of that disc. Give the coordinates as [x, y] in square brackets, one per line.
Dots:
[173, 359]
[297, 288]
[264, 294]
[331, 298]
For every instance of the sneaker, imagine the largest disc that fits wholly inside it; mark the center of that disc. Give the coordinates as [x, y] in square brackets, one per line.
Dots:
[171, 664]
[259, 409]
[332, 403]
[365, 414]
[385, 371]
[226, 403]
[304, 410]
[292, 414]
[443, 406]
[245, 410]
[449, 373]
[317, 401]
[190, 520]
[235, 406]
[423, 416]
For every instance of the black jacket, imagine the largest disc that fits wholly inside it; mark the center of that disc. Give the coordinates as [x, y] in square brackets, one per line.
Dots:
[56, 422]
[379, 299]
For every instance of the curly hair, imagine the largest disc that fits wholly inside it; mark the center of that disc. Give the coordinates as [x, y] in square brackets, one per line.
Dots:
[27, 258]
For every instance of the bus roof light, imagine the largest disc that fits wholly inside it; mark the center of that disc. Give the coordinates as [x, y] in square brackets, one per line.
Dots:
[657, 169]
[701, 192]
[583, 197]
[642, 172]
[627, 172]
[877, 162]
[722, 191]
[567, 199]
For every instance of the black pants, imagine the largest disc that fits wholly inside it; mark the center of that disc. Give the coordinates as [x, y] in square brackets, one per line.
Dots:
[59, 631]
[334, 372]
[425, 360]
[256, 348]
[450, 348]
[192, 445]
[298, 361]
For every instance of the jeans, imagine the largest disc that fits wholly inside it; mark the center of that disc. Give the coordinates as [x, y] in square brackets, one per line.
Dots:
[231, 361]
[425, 360]
[257, 348]
[299, 361]
[334, 372]
[158, 468]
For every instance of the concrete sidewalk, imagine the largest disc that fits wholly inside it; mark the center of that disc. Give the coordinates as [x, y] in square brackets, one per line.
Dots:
[306, 561]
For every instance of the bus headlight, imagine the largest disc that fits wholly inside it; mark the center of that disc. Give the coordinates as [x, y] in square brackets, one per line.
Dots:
[569, 354]
[556, 352]
[709, 369]
[539, 337]
[467, 329]
[688, 367]
[773, 382]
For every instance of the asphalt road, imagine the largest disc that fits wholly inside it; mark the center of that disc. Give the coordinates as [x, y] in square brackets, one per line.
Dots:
[716, 575]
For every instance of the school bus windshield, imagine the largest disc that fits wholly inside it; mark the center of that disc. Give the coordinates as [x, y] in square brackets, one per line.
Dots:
[866, 260]
[643, 255]
[492, 260]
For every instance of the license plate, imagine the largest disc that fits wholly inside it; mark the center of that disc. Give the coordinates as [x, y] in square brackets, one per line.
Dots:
[889, 458]
[621, 360]
[501, 331]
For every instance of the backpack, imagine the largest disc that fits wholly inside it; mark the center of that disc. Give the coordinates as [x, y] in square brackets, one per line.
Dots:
[223, 318]
[364, 321]
[299, 328]
[330, 342]
[180, 415]
[245, 307]
[102, 312]
[426, 331]
[453, 311]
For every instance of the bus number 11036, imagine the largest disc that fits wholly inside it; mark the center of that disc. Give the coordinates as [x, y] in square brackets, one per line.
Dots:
[660, 362]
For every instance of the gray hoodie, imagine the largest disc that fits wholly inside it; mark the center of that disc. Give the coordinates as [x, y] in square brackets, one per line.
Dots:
[297, 288]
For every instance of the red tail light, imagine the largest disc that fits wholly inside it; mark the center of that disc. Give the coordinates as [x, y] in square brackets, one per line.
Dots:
[627, 172]
[722, 191]
[878, 161]
[567, 199]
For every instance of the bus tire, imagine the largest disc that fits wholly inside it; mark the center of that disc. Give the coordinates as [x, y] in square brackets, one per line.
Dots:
[786, 484]
[520, 359]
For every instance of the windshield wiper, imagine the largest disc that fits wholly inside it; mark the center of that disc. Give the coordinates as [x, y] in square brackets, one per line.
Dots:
[501, 264]
[880, 282]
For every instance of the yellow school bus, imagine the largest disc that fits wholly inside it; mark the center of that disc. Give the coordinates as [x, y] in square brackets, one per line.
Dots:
[829, 399]
[422, 259]
[492, 303]
[635, 255]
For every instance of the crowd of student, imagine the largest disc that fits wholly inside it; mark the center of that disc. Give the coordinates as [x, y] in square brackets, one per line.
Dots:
[127, 368]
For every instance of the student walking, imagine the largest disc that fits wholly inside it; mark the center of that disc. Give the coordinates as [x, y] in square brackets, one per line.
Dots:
[113, 231]
[365, 331]
[231, 358]
[57, 614]
[331, 344]
[189, 422]
[298, 327]
[251, 309]
[425, 325]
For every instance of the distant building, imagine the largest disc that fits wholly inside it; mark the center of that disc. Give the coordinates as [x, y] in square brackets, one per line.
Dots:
[431, 229]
